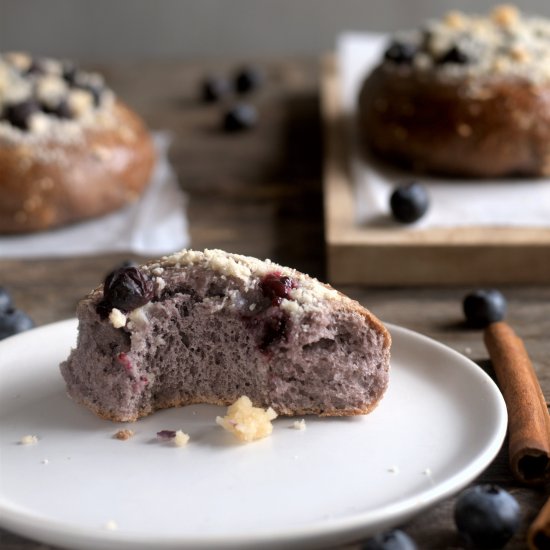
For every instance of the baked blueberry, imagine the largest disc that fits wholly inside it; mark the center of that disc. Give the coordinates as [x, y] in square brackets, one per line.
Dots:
[487, 516]
[215, 88]
[13, 321]
[126, 289]
[409, 202]
[240, 117]
[6, 301]
[19, 114]
[276, 287]
[454, 55]
[248, 79]
[484, 306]
[390, 540]
[96, 90]
[70, 72]
[401, 53]
[61, 110]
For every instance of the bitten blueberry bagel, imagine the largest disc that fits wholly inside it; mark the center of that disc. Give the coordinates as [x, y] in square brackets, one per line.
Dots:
[467, 95]
[210, 327]
[69, 149]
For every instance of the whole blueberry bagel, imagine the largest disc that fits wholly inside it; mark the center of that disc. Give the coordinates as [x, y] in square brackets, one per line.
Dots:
[69, 149]
[463, 96]
[210, 327]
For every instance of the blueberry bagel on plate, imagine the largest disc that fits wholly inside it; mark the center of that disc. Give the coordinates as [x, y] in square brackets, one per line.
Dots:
[467, 95]
[69, 149]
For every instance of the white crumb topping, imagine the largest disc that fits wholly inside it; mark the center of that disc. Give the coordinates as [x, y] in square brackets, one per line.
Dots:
[117, 318]
[299, 424]
[138, 317]
[111, 525]
[157, 271]
[246, 422]
[29, 440]
[181, 439]
[160, 283]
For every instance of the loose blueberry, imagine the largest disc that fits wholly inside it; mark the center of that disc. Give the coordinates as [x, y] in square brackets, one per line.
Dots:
[126, 288]
[483, 307]
[248, 79]
[215, 88]
[6, 301]
[239, 118]
[19, 114]
[400, 53]
[14, 321]
[454, 55]
[390, 540]
[487, 516]
[409, 202]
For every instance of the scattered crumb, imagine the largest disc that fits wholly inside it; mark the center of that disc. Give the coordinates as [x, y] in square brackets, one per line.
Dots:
[427, 472]
[44, 461]
[29, 440]
[111, 525]
[393, 469]
[468, 351]
[117, 318]
[246, 422]
[181, 439]
[194, 413]
[299, 424]
[124, 435]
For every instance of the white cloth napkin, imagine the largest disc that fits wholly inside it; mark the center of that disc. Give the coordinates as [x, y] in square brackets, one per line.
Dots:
[155, 225]
[454, 202]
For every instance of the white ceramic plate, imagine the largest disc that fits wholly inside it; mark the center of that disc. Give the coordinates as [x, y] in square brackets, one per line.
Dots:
[440, 424]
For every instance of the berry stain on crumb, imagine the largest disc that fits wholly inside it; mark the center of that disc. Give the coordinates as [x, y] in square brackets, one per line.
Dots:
[246, 422]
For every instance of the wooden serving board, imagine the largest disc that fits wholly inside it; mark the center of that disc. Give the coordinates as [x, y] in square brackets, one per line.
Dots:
[395, 256]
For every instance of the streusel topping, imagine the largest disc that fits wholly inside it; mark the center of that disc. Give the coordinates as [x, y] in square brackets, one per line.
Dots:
[503, 43]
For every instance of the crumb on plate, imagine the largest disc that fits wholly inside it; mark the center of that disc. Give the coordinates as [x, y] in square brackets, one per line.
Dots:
[124, 435]
[29, 440]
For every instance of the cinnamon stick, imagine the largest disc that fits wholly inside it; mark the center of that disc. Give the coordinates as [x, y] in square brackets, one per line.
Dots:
[538, 535]
[528, 420]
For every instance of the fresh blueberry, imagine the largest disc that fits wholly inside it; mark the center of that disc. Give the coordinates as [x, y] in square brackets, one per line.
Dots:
[487, 516]
[248, 79]
[240, 117]
[126, 288]
[19, 114]
[400, 53]
[483, 307]
[13, 321]
[6, 301]
[215, 88]
[390, 540]
[454, 55]
[409, 202]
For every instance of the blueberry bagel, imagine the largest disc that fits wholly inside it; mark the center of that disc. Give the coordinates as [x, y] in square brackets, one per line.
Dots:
[463, 96]
[210, 327]
[69, 149]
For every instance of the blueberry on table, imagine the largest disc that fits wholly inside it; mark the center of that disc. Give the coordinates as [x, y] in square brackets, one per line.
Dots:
[13, 321]
[484, 306]
[454, 55]
[390, 540]
[487, 516]
[400, 53]
[409, 202]
[215, 88]
[240, 117]
[6, 301]
[248, 79]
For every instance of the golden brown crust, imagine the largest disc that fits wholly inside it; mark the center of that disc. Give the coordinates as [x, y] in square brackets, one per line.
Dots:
[105, 171]
[497, 127]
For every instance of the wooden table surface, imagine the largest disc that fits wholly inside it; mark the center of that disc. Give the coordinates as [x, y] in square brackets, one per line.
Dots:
[259, 193]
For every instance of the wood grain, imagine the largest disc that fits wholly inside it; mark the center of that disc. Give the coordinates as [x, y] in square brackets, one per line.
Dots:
[261, 194]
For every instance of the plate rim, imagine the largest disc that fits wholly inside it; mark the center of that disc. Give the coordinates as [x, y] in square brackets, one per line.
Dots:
[29, 524]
